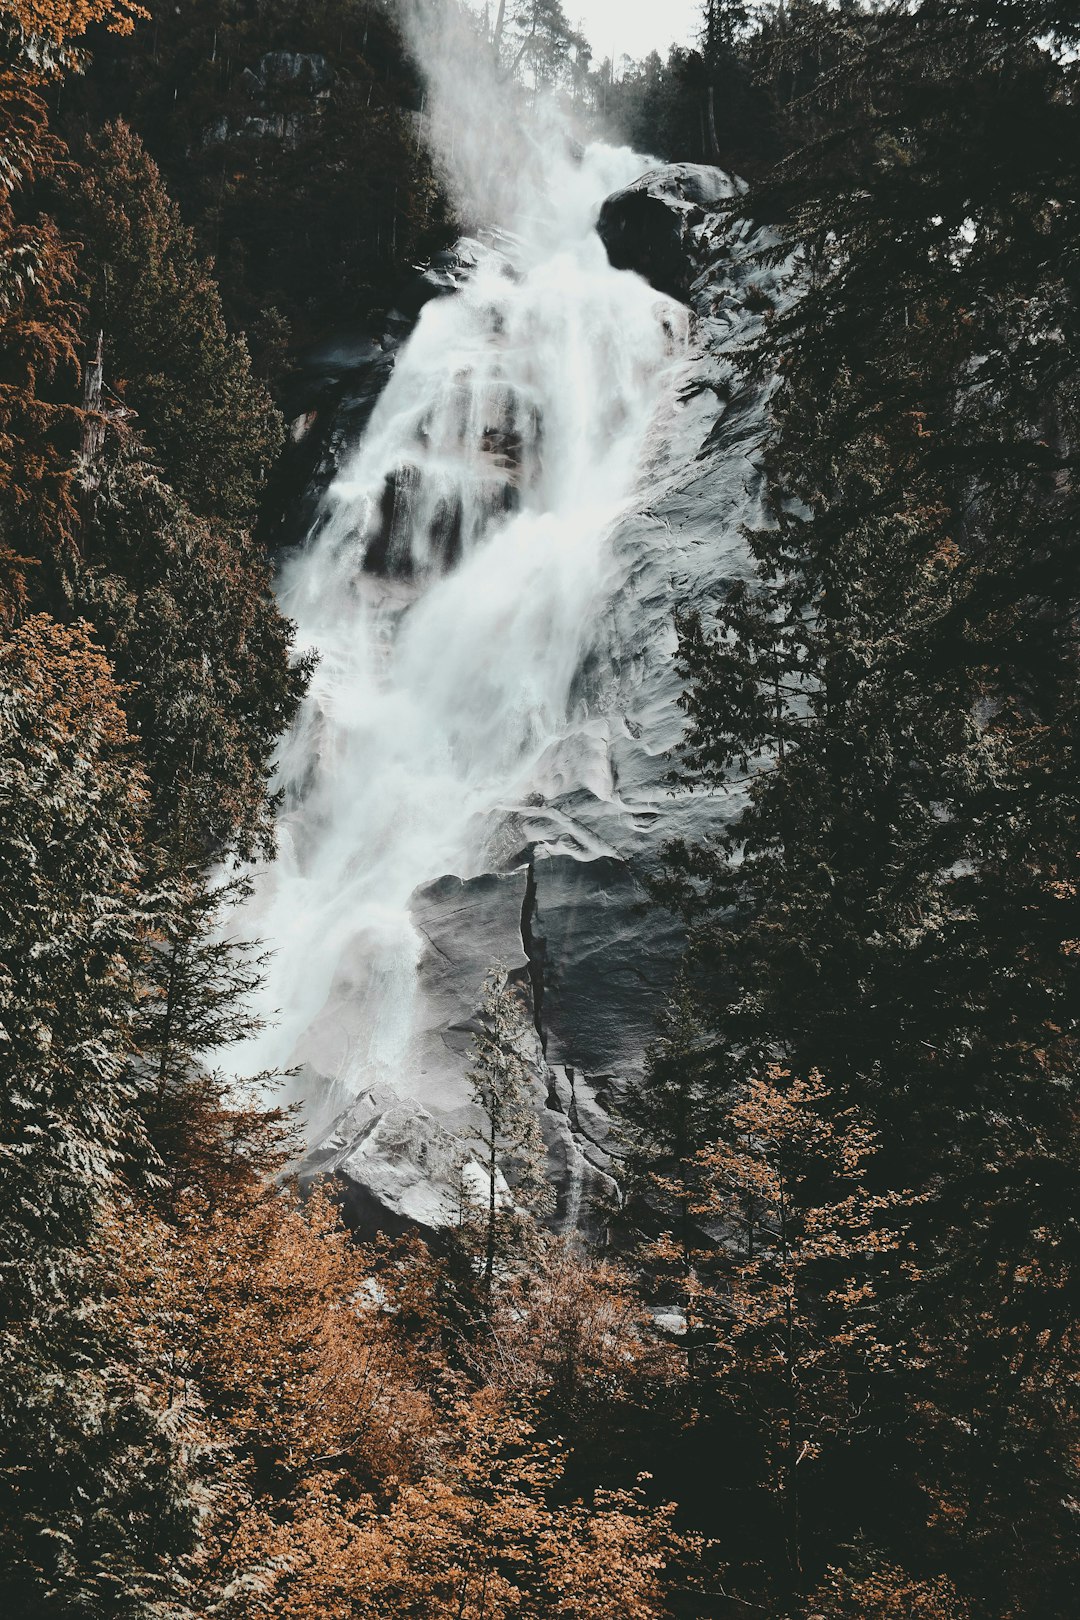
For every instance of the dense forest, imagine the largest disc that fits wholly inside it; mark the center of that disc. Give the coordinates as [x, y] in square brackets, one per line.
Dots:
[853, 1175]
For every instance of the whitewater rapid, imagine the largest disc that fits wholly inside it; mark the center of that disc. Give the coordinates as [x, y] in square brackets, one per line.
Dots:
[451, 587]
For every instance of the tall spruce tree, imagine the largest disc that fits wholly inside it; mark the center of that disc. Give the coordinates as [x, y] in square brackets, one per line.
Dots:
[72, 802]
[184, 607]
[92, 1480]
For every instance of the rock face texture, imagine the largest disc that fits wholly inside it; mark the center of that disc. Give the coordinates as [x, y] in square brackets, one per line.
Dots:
[563, 902]
[394, 1167]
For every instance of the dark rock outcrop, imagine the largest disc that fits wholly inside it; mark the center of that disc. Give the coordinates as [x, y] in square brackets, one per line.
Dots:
[305, 72]
[332, 391]
[664, 226]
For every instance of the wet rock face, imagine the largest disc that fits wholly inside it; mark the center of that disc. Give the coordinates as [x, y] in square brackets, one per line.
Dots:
[392, 1167]
[303, 71]
[663, 225]
[563, 901]
[328, 401]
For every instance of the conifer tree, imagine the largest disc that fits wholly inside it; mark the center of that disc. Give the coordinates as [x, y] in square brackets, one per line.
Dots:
[92, 1481]
[510, 1131]
[543, 40]
[183, 605]
[678, 1108]
[172, 358]
[72, 804]
[896, 696]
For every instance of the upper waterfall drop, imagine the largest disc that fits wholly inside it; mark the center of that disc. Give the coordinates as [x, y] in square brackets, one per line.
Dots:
[452, 588]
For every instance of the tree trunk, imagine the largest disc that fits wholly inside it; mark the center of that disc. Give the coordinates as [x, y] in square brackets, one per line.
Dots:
[710, 113]
[493, 1171]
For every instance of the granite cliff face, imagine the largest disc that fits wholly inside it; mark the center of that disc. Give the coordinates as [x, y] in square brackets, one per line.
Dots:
[555, 829]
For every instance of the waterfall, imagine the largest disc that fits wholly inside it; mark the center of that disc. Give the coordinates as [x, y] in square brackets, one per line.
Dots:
[451, 587]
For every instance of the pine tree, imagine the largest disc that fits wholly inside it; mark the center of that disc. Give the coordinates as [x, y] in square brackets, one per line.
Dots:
[544, 39]
[679, 1106]
[72, 804]
[92, 1476]
[215, 1137]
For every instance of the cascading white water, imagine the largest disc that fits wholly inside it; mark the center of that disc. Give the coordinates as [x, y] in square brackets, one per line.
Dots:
[450, 589]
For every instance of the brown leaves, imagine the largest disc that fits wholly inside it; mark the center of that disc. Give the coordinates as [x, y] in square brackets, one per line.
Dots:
[887, 1593]
[348, 1475]
[62, 21]
[39, 354]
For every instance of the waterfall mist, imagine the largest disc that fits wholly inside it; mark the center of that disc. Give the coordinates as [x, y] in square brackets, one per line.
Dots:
[503, 151]
[451, 587]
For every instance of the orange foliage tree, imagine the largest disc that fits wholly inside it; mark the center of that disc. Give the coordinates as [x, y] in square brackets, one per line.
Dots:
[61, 22]
[39, 339]
[788, 1303]
[346, 1472]
[886, 1593]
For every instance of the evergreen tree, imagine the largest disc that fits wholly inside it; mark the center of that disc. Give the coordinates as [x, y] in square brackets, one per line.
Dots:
[510, 1131]
[172, 359]
[542, 41]
[896, 693]
[677, 1109]
[184, 607]
[214, 1137]
[72, 803]
[92, 1480]
[312, 192]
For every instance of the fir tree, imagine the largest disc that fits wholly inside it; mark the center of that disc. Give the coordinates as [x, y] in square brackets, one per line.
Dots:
[72, 805]
[896, 696]
[678, 1107]
[92, 1480]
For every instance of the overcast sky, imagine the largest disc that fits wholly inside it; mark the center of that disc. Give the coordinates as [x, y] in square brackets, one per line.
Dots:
[634, 27]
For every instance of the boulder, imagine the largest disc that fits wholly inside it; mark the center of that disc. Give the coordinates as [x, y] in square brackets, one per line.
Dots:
[391, 1166]
[661, 226]
[467, 927]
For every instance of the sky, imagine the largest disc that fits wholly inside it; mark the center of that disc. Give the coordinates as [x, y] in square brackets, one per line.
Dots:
[635, 27]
